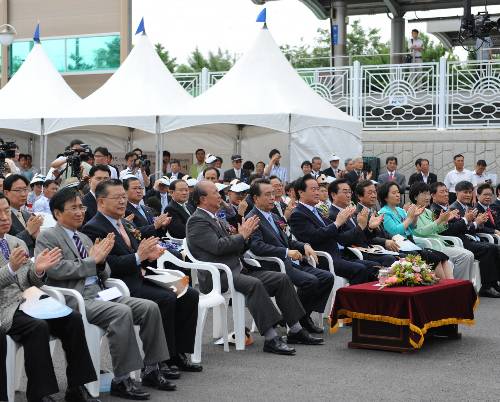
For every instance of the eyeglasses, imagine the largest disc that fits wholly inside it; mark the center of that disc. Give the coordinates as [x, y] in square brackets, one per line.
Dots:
[346, 191]
[136, 188]
[74, 210]
[119, 198]
[21, 190]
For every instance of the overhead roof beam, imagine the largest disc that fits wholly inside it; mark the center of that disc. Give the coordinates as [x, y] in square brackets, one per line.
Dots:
[393, 7]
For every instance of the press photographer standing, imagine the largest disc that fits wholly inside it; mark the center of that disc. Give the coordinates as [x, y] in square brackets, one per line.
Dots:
[135, 167]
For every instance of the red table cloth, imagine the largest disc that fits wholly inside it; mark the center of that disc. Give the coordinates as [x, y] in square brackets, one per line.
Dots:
[422, 307]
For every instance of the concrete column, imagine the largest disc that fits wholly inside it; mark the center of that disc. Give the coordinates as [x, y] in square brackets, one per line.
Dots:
[338, 19]
[4, 19]
[125, 29]
[397, 39]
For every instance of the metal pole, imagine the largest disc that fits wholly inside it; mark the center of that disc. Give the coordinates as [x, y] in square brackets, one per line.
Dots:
[443, 85]
[289, 147]
[397, 38]
[339, 30]
[159, 151]
[356, 89]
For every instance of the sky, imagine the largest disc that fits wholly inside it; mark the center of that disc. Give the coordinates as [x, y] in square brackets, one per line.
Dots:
[182, 25]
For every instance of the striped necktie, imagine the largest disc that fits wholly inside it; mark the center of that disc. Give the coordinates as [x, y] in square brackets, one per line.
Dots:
[80, 247]
[4, 246]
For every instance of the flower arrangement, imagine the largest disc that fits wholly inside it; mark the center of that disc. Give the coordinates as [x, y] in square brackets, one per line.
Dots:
[409, 271]
[130, 228]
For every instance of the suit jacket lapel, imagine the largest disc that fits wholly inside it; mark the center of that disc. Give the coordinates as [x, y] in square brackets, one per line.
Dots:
[60, 230]
[312, 215]
[268, 225]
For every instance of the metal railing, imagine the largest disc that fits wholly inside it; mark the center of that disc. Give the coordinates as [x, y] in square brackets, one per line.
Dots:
[415, 96]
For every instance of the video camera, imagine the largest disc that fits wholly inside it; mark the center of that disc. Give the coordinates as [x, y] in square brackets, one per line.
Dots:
[143, 161]
[7, 150]
[475, 27]
[74, 158]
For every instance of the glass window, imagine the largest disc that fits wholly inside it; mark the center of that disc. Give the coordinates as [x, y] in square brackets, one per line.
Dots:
[18, 53]
[55, 49]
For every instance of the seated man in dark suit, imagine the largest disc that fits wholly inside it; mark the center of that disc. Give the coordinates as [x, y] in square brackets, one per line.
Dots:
[129, 255]
[269, 240]
[158, 198]
[17, 274]
[308, 226]
[357, 174]
[484, 205]
[175, 173]
[358, 230]
[468, 224]
[423, 174]
[24, 226]
[143, 216]
[236, 172]
[179, 209]
[97, 174]
[208, 240]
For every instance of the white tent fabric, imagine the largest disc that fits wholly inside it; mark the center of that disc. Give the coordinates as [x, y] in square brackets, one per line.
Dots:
[141, 89]
[263, 93]
[36, 90]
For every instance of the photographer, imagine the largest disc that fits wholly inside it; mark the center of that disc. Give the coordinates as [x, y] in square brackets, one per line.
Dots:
[135, 167]
[9, 152]
[103, 157]
[72, 159]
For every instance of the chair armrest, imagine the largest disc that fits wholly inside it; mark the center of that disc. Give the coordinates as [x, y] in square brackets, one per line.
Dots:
[71, 293]
[275, 260]
[174, 240]
[252, 262]
[356, 252]
[422, 242]
[329, 258]
[470, 237]
[119, 284]
[486, 236]
[54, 293]
[457, 241]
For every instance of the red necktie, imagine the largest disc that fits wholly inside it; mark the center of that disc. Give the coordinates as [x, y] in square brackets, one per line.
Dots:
[490, 216]
[392, 176]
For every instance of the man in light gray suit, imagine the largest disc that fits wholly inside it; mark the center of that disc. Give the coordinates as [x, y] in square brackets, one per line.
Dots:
[208, 240]
[83, 268]
[391, 164]
[17, 274]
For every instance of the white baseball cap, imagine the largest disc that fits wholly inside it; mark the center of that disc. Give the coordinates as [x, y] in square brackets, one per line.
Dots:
[220, 186]
[334, 157]
[38, 178]
[210, 158]
[239, 187]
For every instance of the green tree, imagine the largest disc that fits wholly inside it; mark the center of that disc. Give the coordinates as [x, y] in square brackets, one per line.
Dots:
[109, 55]
[169, 61]
[215, 61]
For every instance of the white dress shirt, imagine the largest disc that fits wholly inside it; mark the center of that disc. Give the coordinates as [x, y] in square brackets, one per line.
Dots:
[454, 177]
[42, 205]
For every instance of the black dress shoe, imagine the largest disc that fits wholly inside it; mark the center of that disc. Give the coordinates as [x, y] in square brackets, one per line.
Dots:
[489, 292]
[183, 364]
[170, 372]
[128, 390]
[47, 398]
[79, 394]
[309, 325]
[276, 345]
[155, 379]
[304, 338]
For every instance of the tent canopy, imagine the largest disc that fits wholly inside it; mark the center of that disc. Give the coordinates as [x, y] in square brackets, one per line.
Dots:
[262, 89]
[36, 90]
[141, 89]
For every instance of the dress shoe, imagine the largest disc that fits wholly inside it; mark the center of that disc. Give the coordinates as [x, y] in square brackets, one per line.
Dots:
[47, 398]
[496, 285]
[79, 394]
[183, 364]
[170, 372]
[309, 325]
[303, 337]
[128, 390]
[276, 345]
[489, 292]
[155, 379]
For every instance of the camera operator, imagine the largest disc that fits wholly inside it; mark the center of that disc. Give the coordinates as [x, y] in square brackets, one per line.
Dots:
[102, 157]
[135, 167]
[71, 159]
[9, 152]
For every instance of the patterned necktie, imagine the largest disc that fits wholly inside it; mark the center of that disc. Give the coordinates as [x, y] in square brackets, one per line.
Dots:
[4, 246]
[20, 217]
[186, 209]
[490, 216]
[316, 213]
[80, 247]
[124, 234]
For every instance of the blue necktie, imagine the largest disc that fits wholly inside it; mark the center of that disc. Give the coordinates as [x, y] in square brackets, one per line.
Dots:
[5, 249]
[272, 223]
[315, 211]
[79, 246]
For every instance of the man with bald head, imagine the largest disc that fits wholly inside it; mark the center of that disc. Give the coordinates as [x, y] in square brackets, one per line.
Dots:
[208, 240]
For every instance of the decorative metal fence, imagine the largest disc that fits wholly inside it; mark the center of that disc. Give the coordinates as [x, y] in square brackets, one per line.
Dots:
[400, 96]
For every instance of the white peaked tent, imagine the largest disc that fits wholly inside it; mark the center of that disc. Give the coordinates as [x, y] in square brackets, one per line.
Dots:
[140, 90]
[260, 104]
[36, 91]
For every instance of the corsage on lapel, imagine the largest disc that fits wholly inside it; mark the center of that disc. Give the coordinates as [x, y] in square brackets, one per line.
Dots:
[130, 228]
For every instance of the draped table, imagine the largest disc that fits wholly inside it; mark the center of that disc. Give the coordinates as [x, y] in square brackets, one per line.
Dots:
[398, 318]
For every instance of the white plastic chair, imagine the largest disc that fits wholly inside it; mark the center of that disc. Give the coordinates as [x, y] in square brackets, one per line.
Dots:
[14, 361]
[173, 239]
[358, 254]
[428, 242]
[237, 298]
[489, 238]
[275, 260]
[93, 333]
[214, 300]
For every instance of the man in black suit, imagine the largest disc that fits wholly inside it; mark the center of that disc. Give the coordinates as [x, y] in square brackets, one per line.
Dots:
[495, 207]
[175, 173]
[179, 209]
[333, 170]
[308, 226]
[209, 241]
[422, 174]
[25, 226]
[269, 240]
[130, 254]
[143, 216]
[484, 205]
[360, 228]
[357, 174]
[236, 172]
[468, 224]
[97, 174]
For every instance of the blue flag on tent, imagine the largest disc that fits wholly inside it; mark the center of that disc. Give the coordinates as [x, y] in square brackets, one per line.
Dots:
[262, 16]
[36, 35]
[140, 28]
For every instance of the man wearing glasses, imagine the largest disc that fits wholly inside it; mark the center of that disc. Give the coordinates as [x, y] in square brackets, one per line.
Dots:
[25, 226]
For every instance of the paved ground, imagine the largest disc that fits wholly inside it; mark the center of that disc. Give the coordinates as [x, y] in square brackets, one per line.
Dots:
[468, 369]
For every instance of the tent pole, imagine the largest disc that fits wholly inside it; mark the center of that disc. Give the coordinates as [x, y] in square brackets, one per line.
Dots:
[238, 139]
[130, 139]
[42, 146]
[290, 147]
[159, 150]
